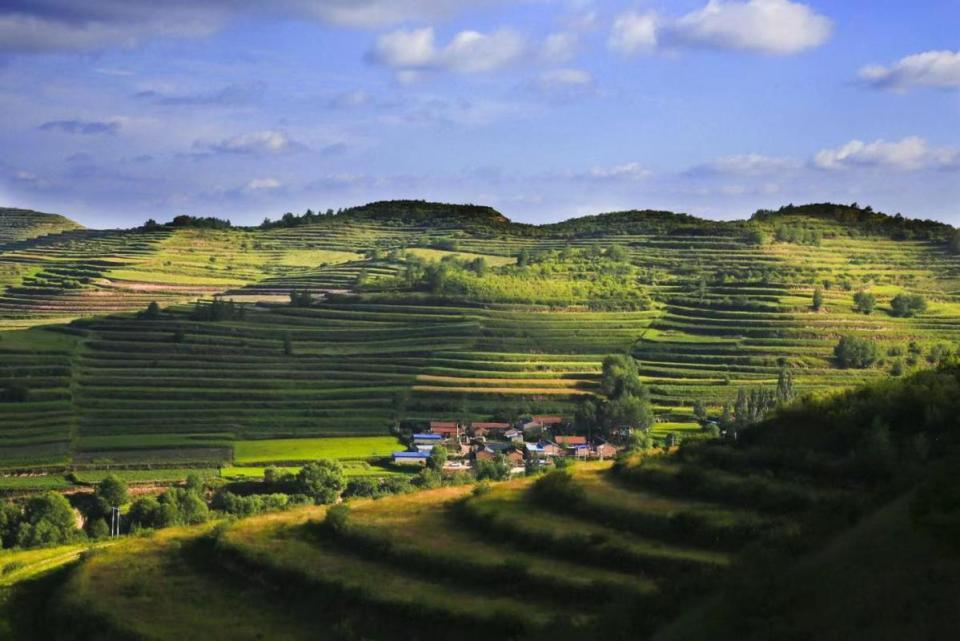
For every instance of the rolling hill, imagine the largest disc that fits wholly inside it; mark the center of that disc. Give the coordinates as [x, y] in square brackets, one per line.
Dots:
[707, 308]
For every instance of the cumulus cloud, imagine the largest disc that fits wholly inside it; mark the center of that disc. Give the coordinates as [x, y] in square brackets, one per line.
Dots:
[909, 154]
[634, 32]
[560, 47]
[927, 69]
[468, 52]
[775, 27]
[83, 127]
[29, 26]
[263, 143]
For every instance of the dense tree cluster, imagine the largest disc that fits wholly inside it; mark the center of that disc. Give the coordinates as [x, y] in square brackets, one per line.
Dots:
[798, 235]
[626, 403]
[47, 519]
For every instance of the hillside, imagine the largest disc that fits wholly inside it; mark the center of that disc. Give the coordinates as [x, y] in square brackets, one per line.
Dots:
[759, 538]
[396, 331]
[24, 224]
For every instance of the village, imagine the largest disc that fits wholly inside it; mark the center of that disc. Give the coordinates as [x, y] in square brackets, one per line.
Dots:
[530, 443]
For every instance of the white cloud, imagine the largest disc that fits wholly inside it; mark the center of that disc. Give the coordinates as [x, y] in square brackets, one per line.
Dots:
[565, 78]
[268, 142]
[745, 165]
[927, 69]
[909, 154]
[628, 172]
[634, 32]
[468, 52]
[68, 25]
[560, 47]
[260, 184]
[776, 27]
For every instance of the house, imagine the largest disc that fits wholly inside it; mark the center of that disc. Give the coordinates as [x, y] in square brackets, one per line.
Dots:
[542, 449]
[605, 451]
[485, 454]
[515, 458]
[426, 442]
[491, 429]
[570, 441]
[513, 435]
[411, 458]
[449, 430]
[548, 420]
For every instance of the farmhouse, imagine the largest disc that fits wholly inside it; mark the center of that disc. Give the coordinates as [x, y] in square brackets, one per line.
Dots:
[571, 441]
[548, 420]
[426, 442]
[491, 429]
[513, 435]
[411, 458]
[605, 451]
[449, 430]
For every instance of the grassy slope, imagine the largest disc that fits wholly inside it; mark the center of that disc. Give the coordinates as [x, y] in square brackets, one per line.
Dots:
[353, 359]
[881, 581]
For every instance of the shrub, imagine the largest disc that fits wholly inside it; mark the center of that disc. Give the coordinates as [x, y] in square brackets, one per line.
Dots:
[855, 352]
[907, 305]
[864, 302]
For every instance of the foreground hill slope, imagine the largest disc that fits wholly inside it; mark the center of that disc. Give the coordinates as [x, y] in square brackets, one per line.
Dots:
[768, 537]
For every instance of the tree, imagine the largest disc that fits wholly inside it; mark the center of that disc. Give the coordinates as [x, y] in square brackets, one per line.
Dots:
[618, 253]
[287, 344]
[496, 470]
[620, 376]
[630, 410]
[785, 390]
[907, 305]
[864, 302]
[301, 298]
[438, 458]
[47, 520]
[113, 491]
[855, 352]
[323, 480]
[152, 312]
[817, 299]
[700, 411]
[146, 513]
[955, 242]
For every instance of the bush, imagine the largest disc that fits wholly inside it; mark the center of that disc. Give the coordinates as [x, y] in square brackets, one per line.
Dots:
[907, 305]
[855, 352]
[864, 302]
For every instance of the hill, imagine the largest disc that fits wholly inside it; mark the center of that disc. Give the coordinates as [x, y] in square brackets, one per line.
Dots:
[24, 224]
[759, 537]
[422, 311]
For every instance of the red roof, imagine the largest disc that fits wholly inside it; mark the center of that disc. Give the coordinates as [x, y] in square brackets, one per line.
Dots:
[442, 427]
[548, 420]
[571, 440]
[492, 426]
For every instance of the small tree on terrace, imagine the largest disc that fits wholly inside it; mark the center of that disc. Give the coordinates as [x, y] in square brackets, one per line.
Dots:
[701, 412]
[817, 299]
[864, 302]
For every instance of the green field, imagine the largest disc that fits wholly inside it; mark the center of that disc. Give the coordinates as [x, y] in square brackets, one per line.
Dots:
[280, 450]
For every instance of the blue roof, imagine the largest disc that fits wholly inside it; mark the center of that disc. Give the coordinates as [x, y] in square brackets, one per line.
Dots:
[411, 455]
[428, 437]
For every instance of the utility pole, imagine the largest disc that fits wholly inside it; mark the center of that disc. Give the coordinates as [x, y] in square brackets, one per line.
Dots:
[115, 521]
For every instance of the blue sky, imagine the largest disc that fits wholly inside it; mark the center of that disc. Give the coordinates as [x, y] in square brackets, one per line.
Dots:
[113, 111]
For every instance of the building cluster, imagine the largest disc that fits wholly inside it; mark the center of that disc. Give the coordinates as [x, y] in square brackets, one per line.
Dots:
[532, 440]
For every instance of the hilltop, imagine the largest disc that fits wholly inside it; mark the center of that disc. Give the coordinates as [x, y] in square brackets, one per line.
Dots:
[24, 224]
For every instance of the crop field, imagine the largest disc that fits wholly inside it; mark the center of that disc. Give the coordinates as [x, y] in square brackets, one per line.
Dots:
[704, 311]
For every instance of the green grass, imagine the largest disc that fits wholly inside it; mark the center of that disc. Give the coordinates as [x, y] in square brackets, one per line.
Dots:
[309, 449]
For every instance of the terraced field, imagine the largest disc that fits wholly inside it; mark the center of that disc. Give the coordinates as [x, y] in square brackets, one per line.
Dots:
[723, 313]
[505, 561]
